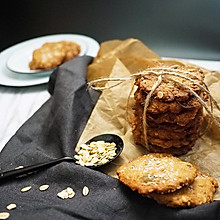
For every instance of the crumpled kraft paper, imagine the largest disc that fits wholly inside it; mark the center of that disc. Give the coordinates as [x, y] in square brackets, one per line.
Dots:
[131, 52]
[111, 115]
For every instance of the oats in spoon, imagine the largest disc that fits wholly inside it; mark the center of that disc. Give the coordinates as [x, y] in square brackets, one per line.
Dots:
[96, 153]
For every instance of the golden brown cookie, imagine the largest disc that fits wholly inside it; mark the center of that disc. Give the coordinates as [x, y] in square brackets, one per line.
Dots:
[173, 115]
[167, 143]
[158, 106]
[168, 90]
[176, 151]
[47, 57]
[53, 54]
[71, 50]
[182, 118]
[157, 172]
[199, 192]
[167, 136]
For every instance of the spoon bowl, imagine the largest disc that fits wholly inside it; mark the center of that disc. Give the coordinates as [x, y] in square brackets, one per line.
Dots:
[109, 138]
[32, 168]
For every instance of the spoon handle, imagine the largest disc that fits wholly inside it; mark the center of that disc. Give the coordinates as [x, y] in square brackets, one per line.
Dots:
[31, 168]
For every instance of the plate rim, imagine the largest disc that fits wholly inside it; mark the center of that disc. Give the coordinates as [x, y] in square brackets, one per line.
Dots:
[9, 78]
[29, 46]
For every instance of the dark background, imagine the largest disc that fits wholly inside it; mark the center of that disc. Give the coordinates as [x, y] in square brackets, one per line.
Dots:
[171, 28]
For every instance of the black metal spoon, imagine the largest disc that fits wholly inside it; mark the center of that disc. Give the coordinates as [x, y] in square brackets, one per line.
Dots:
[32, 168]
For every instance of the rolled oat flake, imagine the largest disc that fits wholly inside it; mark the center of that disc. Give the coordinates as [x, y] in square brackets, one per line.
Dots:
[85, 191]
[4, 215]
[11, 206]
[25, 189]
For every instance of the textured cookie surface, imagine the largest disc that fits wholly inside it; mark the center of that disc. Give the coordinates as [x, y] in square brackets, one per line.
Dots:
[169, 91]
[157, 172]
[52, 54]
[199, 192]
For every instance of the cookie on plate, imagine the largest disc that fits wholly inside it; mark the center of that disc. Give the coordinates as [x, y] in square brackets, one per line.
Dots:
[199, 192]
[157, 172]
[52, 54]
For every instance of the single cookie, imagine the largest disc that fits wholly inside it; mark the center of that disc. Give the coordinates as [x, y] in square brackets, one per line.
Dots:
[158, 107]
[157, 172]
[170, 134]
[182, 118]
[164, 143]
[199, 192]
[176, 151]
[52, 54]
[168, 90]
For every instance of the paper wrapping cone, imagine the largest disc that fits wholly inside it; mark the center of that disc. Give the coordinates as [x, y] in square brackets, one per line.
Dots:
[131, 52]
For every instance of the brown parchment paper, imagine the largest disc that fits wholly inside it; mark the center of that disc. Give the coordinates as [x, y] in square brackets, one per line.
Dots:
[111, 112]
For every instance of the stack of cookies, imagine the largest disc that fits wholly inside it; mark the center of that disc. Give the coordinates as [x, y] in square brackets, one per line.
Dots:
[173, 115]
[168, 180]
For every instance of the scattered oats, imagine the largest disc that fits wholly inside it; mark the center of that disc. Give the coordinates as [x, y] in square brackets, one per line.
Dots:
[63, 194]
[11, 206]
[25, 189]
[66, 193]
[4, 215]
[19, 167]
[85, 191]
[95, 153]
[43, 187]
[69, 190]
[71, 194]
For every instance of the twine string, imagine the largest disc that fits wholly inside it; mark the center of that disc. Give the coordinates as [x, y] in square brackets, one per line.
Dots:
[163, 73]
[146, 104]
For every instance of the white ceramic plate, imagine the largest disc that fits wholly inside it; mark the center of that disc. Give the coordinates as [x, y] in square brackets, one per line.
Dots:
[19, 60]
[11, 78]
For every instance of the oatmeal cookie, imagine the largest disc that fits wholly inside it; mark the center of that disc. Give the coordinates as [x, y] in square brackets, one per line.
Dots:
[164, 143]
[52, 54]
[199, 192]
[155, 172]
[181, 118]
[166, 134]
[158, 106]
[168, 90]
[176, 151]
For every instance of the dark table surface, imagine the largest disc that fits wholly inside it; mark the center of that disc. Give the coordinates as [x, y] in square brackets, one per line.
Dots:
[185, 29]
